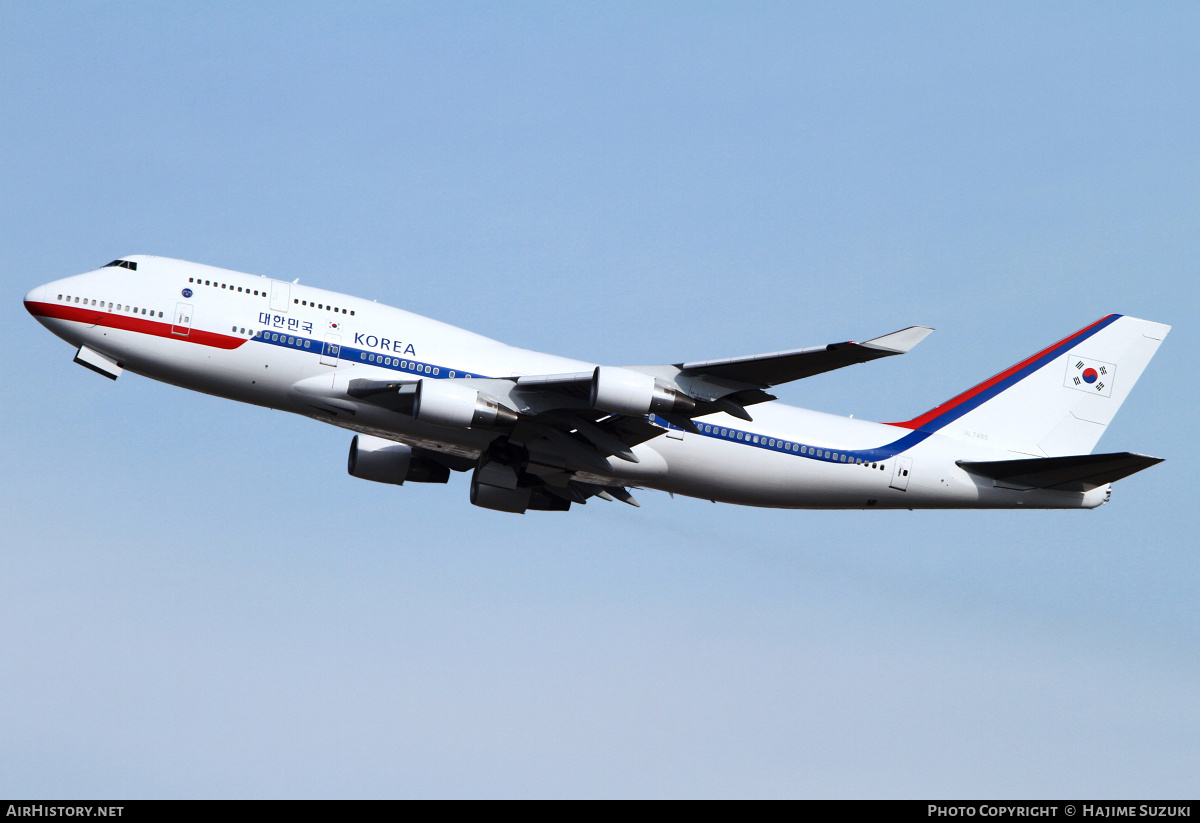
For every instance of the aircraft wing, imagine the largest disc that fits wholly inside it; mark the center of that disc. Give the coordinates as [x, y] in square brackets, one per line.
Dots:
[784, 366]
[674, 393]
[571, 424]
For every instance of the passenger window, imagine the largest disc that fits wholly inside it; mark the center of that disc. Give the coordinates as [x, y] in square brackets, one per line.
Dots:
[351, 314]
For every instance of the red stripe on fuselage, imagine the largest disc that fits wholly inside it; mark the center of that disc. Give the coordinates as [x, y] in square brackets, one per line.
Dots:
[125, 322]
[918, 422]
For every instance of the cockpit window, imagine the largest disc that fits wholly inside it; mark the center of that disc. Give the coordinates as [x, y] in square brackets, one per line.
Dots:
[124, 264]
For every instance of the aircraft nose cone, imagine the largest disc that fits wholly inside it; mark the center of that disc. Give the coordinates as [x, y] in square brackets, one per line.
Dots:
[33, 297]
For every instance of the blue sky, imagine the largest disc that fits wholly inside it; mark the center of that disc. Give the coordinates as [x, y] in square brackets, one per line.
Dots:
[196, 600]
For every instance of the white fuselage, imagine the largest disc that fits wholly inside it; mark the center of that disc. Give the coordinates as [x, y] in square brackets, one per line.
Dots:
[295, 348]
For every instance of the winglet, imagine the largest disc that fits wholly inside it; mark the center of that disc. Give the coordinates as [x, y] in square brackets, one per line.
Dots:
[899, 342]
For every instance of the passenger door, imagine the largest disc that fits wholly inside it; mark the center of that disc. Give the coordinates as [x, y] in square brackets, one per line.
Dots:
[331, 350]
[900, 473]
[281, 296]
[182, 324]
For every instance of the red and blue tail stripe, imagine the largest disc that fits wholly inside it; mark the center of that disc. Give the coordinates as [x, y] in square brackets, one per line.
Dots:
[975, 397]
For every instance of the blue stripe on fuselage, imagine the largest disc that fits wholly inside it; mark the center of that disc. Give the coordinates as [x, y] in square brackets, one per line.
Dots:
[740, 436]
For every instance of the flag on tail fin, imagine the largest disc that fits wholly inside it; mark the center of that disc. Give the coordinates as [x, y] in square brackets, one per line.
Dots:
[1089, 375]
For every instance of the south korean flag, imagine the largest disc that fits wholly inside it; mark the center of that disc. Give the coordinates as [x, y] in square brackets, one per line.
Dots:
[335, 325]
[1091, 376]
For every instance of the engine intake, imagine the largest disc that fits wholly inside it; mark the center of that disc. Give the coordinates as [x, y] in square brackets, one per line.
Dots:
[385, 461]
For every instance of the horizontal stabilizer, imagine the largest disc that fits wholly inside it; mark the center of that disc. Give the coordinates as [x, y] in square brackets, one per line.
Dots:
[1075, 473]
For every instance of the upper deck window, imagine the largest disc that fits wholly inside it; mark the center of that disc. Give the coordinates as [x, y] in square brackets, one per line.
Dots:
[124, 264]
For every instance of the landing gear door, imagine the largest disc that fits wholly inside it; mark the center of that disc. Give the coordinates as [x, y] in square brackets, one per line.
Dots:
[900, 473]
[331, 350]
[182, 324]
[281, 296]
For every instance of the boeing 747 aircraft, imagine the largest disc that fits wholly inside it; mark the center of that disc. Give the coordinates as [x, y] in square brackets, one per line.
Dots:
[540, 432]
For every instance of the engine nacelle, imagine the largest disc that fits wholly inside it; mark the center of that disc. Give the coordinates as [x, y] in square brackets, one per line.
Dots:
[495, 486]
[385, 461]
[501, 500]
[623, 391]
[453, 404]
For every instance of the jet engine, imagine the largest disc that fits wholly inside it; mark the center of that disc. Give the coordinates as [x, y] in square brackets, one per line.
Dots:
[385, 461]
[452, 404]
[498, 487]
[623, 391]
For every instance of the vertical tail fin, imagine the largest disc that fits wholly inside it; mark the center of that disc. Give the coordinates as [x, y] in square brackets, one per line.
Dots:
[1060, 400]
